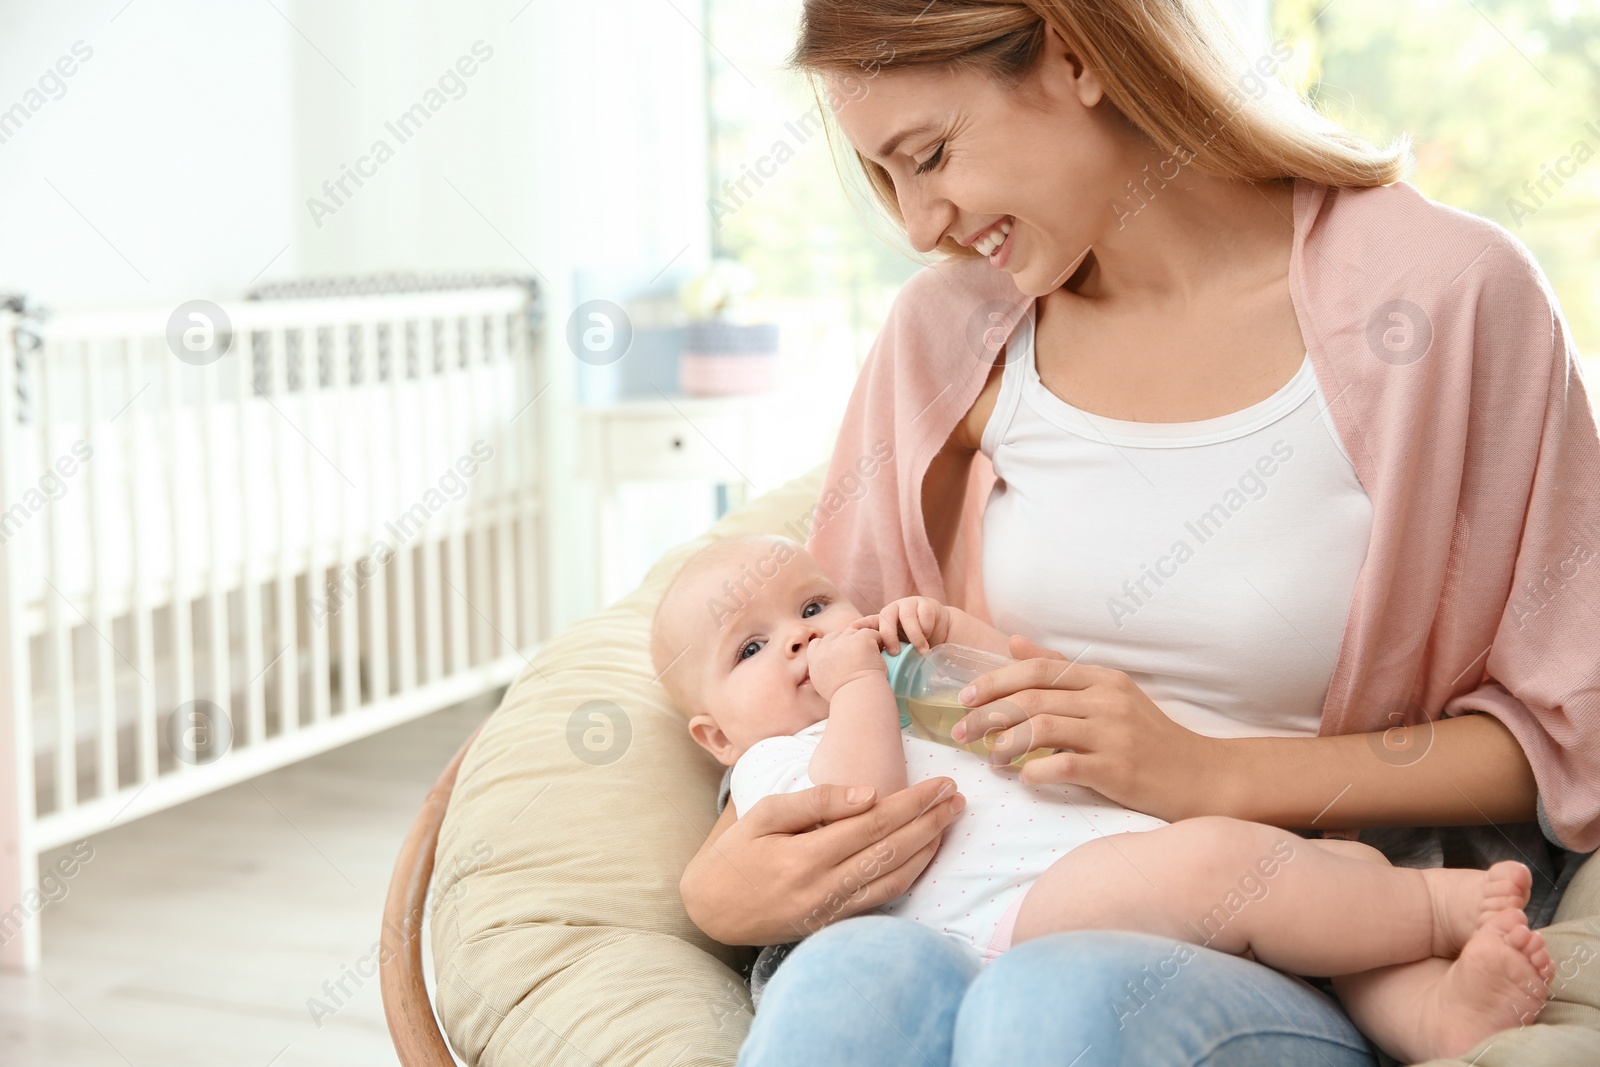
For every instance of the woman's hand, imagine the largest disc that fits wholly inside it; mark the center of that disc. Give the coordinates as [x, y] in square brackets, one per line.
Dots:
[920, 620]
[797, 861]
[1118, 742]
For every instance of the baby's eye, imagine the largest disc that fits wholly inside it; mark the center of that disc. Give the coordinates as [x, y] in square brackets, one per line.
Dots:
[806, 612]
[750, 649]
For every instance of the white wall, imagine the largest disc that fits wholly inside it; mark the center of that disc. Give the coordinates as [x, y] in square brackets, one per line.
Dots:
[172, 140]
[193, 135]
[190, 140]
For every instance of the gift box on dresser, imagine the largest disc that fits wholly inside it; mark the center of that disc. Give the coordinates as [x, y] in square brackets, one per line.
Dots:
[722, 354]
[728, 358]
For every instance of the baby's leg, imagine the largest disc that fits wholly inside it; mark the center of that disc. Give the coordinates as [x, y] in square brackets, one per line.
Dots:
[1440, 1009]
[1246, 888]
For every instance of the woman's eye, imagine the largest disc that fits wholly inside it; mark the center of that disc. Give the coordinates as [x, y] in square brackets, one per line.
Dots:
[749, 650]
[806, 612]
[933, 160]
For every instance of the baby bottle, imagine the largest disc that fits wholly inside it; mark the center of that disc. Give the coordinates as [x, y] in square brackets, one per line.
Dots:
[928, 687]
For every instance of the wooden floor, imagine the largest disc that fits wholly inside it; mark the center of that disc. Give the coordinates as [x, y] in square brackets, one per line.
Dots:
[199, 935]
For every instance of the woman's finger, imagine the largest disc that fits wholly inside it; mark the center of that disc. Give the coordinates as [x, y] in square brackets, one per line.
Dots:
[1062, 768]
[907, 819]
[1025, 648]
[891, 882]
[806, 809]
[1030, 674]
[1038, 731]
[986, 720]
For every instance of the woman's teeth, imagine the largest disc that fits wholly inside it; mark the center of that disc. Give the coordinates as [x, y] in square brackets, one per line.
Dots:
[994, 238]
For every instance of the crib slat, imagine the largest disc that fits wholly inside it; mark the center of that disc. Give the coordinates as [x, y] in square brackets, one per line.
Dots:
[376, 576]
[503, 404]
[287, 643]
[255, 696]
[527, 424]
[142, 612]
[178, 488]
[512, 489]
[434, 400]
[312, 397]
[59, 623]
[456, 559]
[97, 354]
[480, 500]
[400, 439]
[216, 590]
[344, 574]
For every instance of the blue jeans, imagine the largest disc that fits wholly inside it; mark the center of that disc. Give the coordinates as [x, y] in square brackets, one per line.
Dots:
[883, 991]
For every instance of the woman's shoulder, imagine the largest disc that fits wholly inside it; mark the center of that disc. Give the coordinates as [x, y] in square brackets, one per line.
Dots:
[1398, 235]
[1373, 253]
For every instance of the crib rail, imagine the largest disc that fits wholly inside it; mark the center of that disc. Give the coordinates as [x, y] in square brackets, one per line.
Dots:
[210, 568]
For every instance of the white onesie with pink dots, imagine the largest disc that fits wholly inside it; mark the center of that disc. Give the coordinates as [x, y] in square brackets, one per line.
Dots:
[1007, 835]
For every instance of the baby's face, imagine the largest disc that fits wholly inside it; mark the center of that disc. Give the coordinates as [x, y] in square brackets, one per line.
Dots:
[748, 634]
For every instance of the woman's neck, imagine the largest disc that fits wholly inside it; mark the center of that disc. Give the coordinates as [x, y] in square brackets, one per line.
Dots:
[1188, 240]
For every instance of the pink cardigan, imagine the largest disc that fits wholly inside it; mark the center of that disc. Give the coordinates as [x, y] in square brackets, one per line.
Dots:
[1458, 394]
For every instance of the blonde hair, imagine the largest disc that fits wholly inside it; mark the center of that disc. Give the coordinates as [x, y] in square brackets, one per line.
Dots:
[1169, 66]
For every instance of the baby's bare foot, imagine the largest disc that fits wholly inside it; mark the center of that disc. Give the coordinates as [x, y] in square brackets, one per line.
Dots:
[1464, 900]
[1501, 980]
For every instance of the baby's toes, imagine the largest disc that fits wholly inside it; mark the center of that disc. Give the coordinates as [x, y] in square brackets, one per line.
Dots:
[1516, 933]
[1507, 885]
[1538, 954]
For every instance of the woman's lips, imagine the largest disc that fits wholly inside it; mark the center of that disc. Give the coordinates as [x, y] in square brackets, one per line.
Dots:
[990, 239]
[1002, 254]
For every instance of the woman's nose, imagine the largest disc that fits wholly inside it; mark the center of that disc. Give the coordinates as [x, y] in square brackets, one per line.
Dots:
[927, 217]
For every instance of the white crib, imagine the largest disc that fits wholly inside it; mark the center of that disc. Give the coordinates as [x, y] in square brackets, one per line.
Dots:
[207, 572]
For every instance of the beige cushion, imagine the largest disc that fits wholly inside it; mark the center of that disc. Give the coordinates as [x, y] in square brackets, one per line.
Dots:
[558, 932]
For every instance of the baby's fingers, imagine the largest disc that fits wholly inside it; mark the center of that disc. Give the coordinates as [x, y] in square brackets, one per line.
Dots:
[929, 614]
[889, 629]
[916, 631]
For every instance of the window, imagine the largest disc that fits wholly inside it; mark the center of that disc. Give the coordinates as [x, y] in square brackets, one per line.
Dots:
[1501, 97]
[1502, 101]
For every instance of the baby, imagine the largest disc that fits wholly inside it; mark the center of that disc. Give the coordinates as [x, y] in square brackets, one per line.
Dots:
[783, 679]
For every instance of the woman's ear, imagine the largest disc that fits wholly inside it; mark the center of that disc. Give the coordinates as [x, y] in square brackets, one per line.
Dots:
[1056, 50]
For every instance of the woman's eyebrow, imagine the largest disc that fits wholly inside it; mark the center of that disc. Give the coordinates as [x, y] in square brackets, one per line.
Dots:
[894, 142]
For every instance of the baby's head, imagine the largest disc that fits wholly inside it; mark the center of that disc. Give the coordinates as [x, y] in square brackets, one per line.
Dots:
[732, 635]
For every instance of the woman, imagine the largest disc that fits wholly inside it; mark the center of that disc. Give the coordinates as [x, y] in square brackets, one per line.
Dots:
[1292, 432]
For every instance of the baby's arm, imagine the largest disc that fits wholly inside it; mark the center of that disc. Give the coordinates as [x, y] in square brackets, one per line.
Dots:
[862, 744]
[973, 632]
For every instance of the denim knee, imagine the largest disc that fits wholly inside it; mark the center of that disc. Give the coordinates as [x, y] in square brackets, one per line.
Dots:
[873, 989]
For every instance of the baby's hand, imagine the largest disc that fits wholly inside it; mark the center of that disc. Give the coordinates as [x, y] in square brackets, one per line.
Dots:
[921, 620]
[842, 657]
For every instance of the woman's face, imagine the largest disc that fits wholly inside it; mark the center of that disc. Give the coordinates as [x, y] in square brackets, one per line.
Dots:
[1050, 156]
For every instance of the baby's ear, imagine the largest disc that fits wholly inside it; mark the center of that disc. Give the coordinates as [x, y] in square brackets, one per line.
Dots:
[709, 736]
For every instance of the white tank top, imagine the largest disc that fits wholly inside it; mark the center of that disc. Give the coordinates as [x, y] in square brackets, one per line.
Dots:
[1212, 561]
